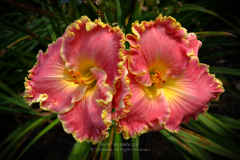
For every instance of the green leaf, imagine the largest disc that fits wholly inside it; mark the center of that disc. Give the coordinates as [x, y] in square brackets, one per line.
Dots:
[22, 133]
[213, 34]
[135, 14]
[14, 134]
[36, 138]
[97, 150]
[200, 153]
[204, 118]
[80, 151]
[14, 100]
[52, 33]
[107, 144]
[118, 155]
[16, 110]
[229, 122]
[225, 70]
[198, 8]
[73, 5]
[4, 87]
[135, 148]
[191, 137]
[183, 147]
[119, 12]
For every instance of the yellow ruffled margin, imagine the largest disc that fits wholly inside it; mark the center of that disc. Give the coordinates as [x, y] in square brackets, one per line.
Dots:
[28, 88]
[193, 56]
[85, 23]
[206, 107]
[138, 29]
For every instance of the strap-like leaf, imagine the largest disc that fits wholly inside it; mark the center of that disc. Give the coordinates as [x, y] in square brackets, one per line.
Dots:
[225, 70]
[40, 134]
[22, 133]
[198, 8]
[135, 148]
[118, 154]
[80, 151]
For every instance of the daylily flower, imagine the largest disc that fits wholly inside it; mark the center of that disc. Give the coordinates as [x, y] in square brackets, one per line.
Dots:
[167, 83]
[76, 78]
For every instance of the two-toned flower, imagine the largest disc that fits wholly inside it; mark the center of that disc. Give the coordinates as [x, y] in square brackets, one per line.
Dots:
[89, 79]
[76, 78]
[167, 83]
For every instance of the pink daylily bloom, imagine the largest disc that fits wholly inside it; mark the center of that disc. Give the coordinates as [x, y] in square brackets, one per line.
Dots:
[87, 79]
[76, 78]
[168, 85]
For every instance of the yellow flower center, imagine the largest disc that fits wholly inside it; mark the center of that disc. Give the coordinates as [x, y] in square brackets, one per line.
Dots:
[82, 76]
[159, 79]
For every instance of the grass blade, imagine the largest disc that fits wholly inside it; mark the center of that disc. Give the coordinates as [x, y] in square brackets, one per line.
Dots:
[40, 134]
[7, 89]
[13, 134]
[213, 34]
[191, 137]
[80, 151]
[97, 150]
[229, 122]
[193, 7]
[14, 100]
[118, 155]
[225, 70]
[106, 152]
[29, 127]
[16, 110]
[211, 124]
[135, 148]
[119, 12]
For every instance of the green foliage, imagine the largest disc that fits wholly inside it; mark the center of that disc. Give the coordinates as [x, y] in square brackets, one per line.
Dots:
[118, 151]
[80, 151]
[135, 148]
[29, 26]
[206, 137]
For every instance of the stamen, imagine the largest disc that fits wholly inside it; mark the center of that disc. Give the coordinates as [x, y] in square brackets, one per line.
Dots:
[157, 79]
[82, 79]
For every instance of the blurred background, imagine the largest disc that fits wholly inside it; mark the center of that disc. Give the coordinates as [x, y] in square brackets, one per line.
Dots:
[27, 26]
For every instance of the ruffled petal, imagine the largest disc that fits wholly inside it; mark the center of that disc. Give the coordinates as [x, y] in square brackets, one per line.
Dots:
[161, 43]
[193, 43]
[168, 84]
[94, 44]
[120, 102]
[137, 66]
[145, 113]
[49, 83]
[90, 118]
[188, 94]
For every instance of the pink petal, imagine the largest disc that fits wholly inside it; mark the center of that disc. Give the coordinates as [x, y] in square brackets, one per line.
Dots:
[194, 43]
[137, 66]
[96, 42]
[168, 85]
[145, 113]
[47, 82]
[161, 41]
[90, 118]
[120, 102]
[189, 94]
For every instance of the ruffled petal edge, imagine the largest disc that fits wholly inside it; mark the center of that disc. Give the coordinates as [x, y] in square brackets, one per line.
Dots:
[217, 93]
[104, 103]
[85, 23]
